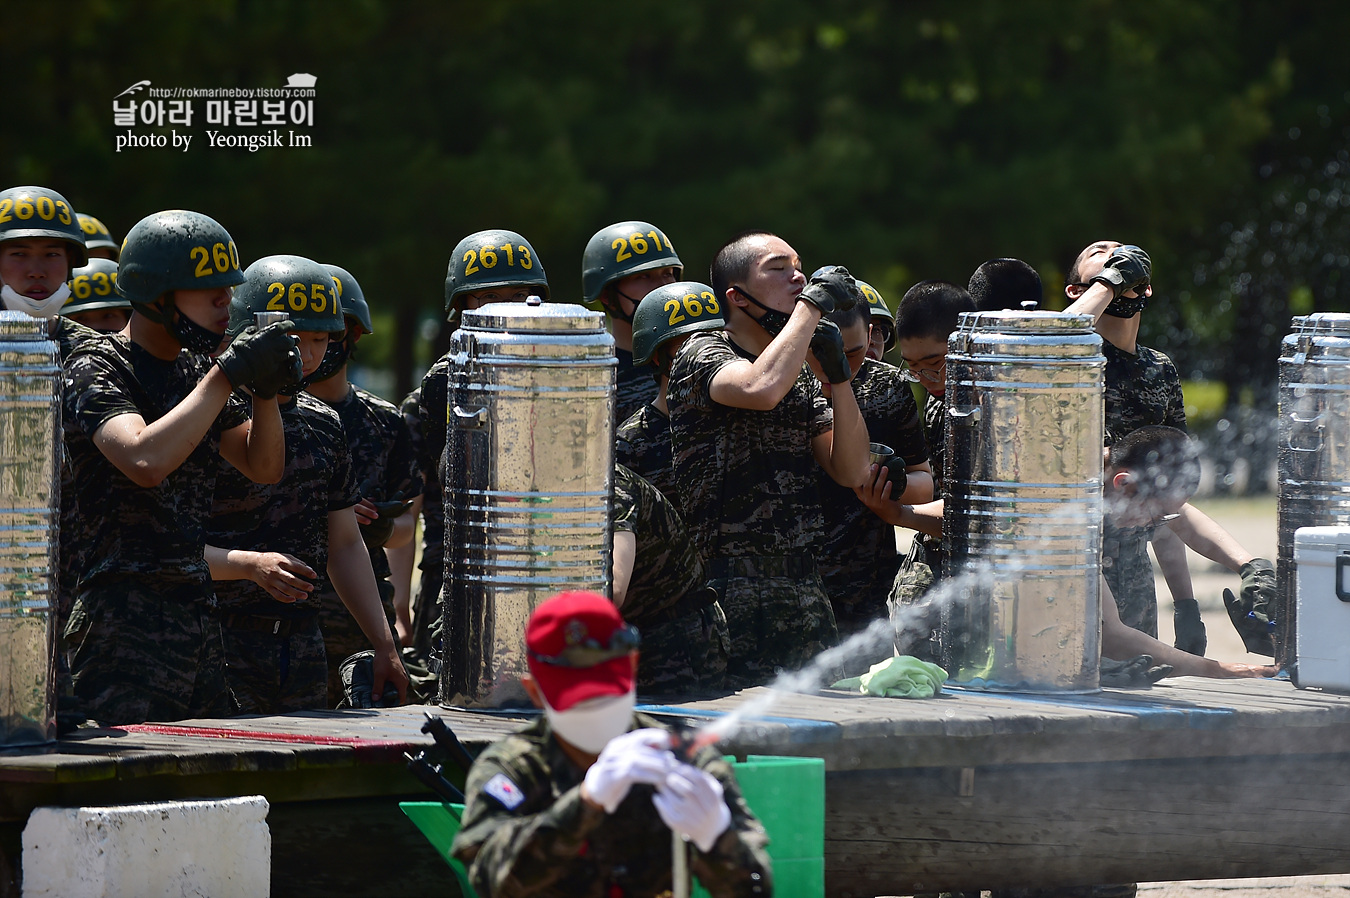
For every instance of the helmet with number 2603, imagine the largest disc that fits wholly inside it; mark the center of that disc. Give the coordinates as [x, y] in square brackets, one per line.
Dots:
[621, 249]
[494, 258]
[302, 288]
[94, 287]
[673, 310]
[28, 213]
[176, 250]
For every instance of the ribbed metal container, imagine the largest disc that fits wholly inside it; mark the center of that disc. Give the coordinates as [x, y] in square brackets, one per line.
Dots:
[1024, 468]
[1314, 447]
[528, 477]
[30, 439]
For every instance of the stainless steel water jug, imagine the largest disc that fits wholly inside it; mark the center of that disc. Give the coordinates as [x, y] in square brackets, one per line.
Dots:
[1314, 448]
[1024, 469]
[30, 440]
[528, 475]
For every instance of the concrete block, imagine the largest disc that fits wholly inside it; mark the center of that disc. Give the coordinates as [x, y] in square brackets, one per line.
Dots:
[174, 849]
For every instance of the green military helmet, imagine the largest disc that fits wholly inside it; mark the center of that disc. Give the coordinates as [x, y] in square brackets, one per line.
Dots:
[300, 287]
[351, 298]
[176, 250]
[96, 234]
[94, 287]
[493, 258]
[28, 212]
[878, 308]
[623, 249]
[684, 307]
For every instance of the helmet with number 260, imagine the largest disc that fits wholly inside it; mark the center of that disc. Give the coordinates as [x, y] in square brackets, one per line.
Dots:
[300, 287]
[33, 212]
[877, 306]
[94, 287]
[96, 234]
[623, 249]
[684, 307]
[176, 250]
[494, 258]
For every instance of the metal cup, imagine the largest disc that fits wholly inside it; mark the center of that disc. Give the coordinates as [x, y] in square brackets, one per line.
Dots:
[262, 319]
[881, 453]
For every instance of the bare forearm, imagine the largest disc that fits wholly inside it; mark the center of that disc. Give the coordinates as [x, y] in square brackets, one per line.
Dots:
[1171, 555]
[1204, 535]
[849, 447]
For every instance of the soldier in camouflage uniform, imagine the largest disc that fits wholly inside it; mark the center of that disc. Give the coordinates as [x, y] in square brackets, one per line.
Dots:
[748, 427]
[385, 469]
[881, 333]
[515, 273]
[143, 636]
[660, 586]
[1001, 284]
[642, 443]
[271, 546]
[858, 559]
[927, 314]
[564, 808]
[97, 238]
[621, 265]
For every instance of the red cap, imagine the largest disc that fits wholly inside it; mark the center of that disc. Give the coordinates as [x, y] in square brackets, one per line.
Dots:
[576, 619]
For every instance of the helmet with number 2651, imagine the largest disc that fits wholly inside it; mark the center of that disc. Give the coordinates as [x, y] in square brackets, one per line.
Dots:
[300, 287]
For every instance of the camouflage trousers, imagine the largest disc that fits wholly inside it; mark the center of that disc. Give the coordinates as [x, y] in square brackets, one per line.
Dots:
[1129, 574]
[918, 624]
[687, 655]
[275, 672]
[143, 650]
[342, 635]
[778, 614]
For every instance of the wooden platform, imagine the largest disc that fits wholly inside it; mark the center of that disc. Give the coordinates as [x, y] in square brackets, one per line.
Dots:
[1192, 779]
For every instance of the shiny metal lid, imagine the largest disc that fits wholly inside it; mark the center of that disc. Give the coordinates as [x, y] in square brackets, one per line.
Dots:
[21, 326]
[1328, 323]
[1031, 323]
[533, 317]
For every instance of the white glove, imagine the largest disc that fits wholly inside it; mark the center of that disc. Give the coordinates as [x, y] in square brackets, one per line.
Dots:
[690, 802]
[642, 756]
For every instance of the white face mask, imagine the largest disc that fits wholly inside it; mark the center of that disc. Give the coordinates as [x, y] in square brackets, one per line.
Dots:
[589, 725]
[38, 308]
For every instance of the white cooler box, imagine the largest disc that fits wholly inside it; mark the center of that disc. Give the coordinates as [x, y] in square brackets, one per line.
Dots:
[1322, 596]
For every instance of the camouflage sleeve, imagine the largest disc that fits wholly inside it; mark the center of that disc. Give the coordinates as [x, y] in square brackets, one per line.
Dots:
[522, 850]
[699, 360]
[908, 426]
[343, 490]
[431, 417]
[821, 415]
[237, 410]
[1176, 404]
[625, 500]
[95, 393]
[625, 451]
[403, 473]
[738, 864]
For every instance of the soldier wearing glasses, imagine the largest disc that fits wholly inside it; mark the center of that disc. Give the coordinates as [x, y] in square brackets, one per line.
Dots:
[564, 807]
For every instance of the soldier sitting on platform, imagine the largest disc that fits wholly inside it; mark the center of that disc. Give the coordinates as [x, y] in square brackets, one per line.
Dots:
[564, 808]
[1148, 477]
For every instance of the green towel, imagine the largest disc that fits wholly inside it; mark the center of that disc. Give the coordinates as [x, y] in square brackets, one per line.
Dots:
[903, 676]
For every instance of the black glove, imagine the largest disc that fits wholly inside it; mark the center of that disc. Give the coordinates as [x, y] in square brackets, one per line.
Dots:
[377, 532]
[357, 674]
[832, 289]
[1190, 629]
[896, 476]
[827, 345]
[262, 360]
[1138, 672]
[1127, 268]
[1252, 613]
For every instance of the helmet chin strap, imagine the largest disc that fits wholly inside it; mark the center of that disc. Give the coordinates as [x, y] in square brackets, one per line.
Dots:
[191, 335]
[616, 310]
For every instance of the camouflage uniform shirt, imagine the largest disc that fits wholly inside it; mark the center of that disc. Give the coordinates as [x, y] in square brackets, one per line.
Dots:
[290, 516]
[159, 532]
[634, 385]
[642, 444]
[746, 479]
[432, 411]
[858, 560]
[527, 831]
[1142, 389]
[684, 641]
[382, 454]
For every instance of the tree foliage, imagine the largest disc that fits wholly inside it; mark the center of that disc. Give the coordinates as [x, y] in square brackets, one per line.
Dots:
[905, 140]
